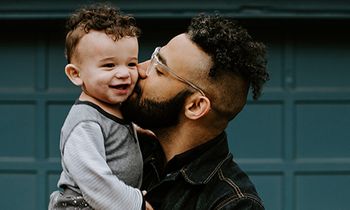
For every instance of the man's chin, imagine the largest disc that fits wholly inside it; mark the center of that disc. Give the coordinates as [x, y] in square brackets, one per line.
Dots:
[129, 107]
[152, 114]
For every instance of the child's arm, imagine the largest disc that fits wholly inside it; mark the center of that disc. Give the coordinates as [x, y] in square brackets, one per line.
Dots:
[84, 157]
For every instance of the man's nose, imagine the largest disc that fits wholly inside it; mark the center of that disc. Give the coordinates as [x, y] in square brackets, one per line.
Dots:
[142, 68]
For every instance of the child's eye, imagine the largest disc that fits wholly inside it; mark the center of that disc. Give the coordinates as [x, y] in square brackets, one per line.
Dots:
[109, 65]
[132, 64]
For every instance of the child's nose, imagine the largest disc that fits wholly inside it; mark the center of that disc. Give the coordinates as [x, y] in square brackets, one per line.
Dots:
[122, 72]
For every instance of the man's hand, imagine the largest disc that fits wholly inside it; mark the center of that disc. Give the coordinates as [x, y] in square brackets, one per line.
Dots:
[144, 132]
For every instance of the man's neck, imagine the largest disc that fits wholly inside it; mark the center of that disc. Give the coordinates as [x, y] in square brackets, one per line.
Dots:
[179, 139]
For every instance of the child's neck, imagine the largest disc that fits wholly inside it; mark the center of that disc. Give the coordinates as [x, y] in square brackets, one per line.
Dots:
[113, 109]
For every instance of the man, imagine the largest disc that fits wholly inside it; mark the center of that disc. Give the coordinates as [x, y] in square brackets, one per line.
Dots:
[187, 94]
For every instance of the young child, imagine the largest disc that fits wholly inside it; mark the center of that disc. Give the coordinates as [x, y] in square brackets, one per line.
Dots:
[101, 159]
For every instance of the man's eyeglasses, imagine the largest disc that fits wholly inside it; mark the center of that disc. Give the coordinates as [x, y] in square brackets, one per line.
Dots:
[156, 62]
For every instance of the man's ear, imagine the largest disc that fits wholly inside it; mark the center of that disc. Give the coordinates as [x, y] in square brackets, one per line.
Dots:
[72, 72]
[197, 106]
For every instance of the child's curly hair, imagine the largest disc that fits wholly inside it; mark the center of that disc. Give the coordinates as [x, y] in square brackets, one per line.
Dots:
[99, 17]
[231, 48]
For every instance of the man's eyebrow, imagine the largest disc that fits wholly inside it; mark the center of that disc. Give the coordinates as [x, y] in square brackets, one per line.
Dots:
[162, 59]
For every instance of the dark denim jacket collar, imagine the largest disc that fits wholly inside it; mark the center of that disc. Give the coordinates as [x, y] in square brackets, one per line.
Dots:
[198, 171]
[202, 169]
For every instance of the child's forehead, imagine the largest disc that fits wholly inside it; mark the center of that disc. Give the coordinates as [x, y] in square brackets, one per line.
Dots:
[97, 45]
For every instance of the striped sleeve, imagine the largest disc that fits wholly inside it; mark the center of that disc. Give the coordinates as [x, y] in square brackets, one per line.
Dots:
[85, 160]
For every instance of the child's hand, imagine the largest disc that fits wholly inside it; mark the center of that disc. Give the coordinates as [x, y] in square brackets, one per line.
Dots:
[148, 206]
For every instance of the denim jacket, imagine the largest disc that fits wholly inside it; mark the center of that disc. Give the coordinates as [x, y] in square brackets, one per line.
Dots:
[210, 181]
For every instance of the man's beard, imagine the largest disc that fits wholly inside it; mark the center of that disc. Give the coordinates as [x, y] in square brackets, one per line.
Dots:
[151, 114]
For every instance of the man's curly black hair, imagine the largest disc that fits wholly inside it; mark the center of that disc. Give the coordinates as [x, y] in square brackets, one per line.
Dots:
[99, 17]
[231, 49]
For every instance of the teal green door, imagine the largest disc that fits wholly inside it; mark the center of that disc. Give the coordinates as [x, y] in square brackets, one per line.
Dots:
[294, 142]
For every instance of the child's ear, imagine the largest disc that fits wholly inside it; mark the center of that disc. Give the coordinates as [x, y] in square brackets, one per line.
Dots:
[196, 107]
[73, 74]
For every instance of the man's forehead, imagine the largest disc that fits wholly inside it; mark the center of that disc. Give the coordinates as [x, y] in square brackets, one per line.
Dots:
[181, 42]
[182, 49]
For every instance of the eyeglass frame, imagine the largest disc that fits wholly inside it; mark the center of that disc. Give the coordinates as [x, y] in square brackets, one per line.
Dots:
[155, 61]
